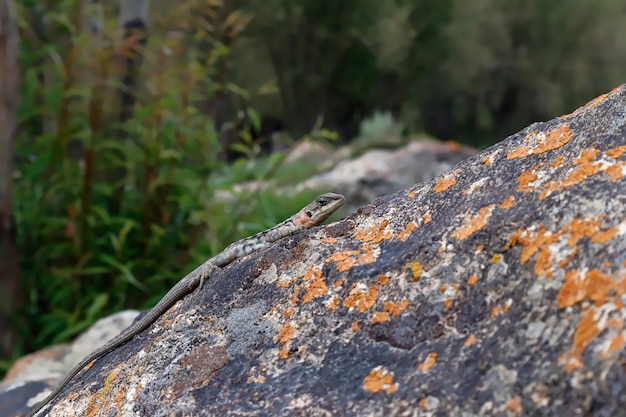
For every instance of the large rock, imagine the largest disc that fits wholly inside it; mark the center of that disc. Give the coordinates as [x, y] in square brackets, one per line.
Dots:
[498, 288]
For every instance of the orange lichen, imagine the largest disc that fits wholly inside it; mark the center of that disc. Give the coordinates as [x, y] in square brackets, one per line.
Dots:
[379, 379]
[395, 309]
[428, 364]
[558, 161]
[284, 351]
[616, 345]
[519, 152]
[586, 331]
[544, 142]
[616, 171]
[315, 287]
[443, 184]
[374, 234]
[443, 288]
[447, 303]
[543, 262]
[525, 179]
[496, 311]
[383, 279]
[532, 241]
[333, 303]
[472, 280]
[508, 203]
[427, 218]
[361, 299]
[572, 291]
[615, 322]
[597, 286]
[496, 258]
[284, 336]
[412, 194]
[380, 317]
[344, 259]
[408, 229]
[616, 152]
[554, 139]
[579, 228]
[470, 341]
[329, 240]
[585, 168]
[347, 259]
[586, 156]
[486, 160]
[355, 326]
[474, 224]
[423, 404]
[573, 362]
[287, 313]
[515, 404]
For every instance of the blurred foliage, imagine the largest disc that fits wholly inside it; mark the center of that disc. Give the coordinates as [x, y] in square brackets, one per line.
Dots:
[471, 71]
[380, 130]
[115, 202]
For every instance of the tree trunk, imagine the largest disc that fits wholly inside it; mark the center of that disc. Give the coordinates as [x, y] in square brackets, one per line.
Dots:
[133, 20]
[10, 290]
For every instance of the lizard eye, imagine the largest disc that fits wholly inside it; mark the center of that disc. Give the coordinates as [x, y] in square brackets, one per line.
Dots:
[322, 201]
[308, 213]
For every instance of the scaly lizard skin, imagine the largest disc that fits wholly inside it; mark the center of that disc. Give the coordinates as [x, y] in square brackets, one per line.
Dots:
[312, 215]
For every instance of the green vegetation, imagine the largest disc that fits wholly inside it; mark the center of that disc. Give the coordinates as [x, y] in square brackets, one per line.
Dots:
[111, 212]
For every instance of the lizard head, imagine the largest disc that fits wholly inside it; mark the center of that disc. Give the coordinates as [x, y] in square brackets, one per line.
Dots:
[318, 210]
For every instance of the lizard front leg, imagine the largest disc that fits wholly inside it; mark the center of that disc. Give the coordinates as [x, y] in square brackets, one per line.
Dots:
[205, 272]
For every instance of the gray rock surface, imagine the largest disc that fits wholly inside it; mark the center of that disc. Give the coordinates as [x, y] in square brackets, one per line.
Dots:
[382, 171]
[497, 289]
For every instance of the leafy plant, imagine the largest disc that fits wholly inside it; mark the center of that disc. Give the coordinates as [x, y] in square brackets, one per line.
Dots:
[112, 210]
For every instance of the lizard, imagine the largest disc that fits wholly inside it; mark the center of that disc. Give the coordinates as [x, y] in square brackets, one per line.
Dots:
[313, 214]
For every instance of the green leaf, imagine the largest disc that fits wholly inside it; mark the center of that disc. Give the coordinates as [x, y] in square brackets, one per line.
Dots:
[124, 270]
[255, 118]
[96, 306]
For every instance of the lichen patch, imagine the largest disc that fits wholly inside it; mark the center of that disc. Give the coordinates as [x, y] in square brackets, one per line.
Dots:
[315, 287]
[428, 363]
[380, 380]
[474, 224]
[375, 233]
[445, 183]
[541, 142]
[549, 245]
[361, 298]
[507, 203]
[284, 336]
[347, 259]
[395, 309]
